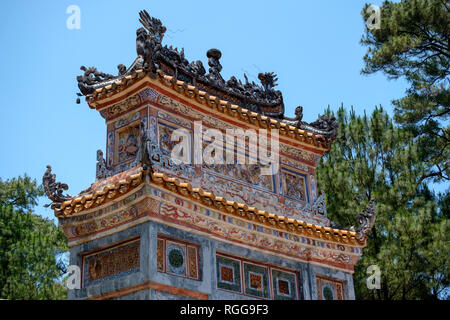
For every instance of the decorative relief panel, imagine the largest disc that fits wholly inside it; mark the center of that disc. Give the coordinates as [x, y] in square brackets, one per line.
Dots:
[148, 94]
[192, 262]
[166, 144]
[123, 106]
[294, 185]
[287, 192]
[111, 263]
[160, 255]
[127, 143]
[329, 289]
[177, 258]
[186, 110]
[124, 121]
[248, 173]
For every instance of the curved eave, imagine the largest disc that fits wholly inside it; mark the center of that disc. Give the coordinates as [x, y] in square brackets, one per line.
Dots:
[110, 192]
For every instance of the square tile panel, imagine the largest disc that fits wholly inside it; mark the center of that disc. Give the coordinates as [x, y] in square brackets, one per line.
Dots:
[284, 285]
[256, 280]
[228, 273]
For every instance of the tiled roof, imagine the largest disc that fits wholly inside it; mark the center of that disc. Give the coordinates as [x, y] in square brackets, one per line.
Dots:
[120, 187]
[222, 106]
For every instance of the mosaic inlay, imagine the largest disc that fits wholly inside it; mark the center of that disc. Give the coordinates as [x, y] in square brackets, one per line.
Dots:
[284, 285]
[256, 280]
[228, 273]
[177, 258]
[111, 262]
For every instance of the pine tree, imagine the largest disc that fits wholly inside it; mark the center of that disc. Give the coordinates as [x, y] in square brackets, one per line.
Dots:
[31, 247]
[410, 239]
[413, 42]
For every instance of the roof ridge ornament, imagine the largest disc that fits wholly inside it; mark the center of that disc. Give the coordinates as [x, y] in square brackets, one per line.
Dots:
[148, 44]
[366, 220]
[91, 77]
[153, 56]
[214, 75]
[297, 120]
[153, 25]
[54, 189]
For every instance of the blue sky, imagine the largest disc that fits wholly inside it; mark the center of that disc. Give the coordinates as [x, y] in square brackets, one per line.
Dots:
[313, 46]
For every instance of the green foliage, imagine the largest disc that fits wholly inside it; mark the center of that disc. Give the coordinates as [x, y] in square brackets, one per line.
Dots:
[413, 43]
[30, 246]
[409, 241]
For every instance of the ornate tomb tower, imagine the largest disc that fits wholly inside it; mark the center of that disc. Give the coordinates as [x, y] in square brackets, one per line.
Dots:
[154, 227]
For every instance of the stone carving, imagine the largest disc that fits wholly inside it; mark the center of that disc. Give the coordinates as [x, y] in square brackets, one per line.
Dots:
[143, 153]
[319, 206]
[101, 171]
[124, 105]
[111, 263]
[366, 220]
[54, 190]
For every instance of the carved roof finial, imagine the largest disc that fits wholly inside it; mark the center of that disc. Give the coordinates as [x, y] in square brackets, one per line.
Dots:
[366, 220]
[153, 25]
[54, 189]
[214, 75]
